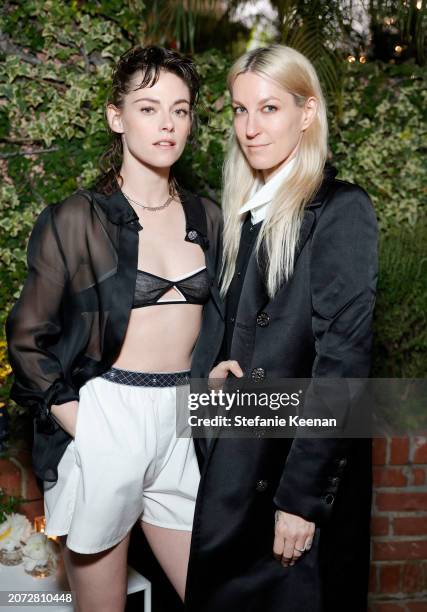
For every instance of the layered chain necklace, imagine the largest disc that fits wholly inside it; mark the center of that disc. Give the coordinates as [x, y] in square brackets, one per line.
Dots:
[151, 208]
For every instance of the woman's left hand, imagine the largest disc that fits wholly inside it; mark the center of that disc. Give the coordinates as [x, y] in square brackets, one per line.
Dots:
[293, 536]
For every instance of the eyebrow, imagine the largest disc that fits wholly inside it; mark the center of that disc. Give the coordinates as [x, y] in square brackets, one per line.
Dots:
[263, 101]
[155, 101]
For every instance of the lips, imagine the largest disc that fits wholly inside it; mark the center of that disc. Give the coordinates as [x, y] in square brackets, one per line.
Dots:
[258, 146]
[167, 144]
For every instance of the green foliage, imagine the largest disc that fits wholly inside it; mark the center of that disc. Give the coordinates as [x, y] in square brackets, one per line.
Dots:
[200, 166]
[382, 138]
[401, 309]
[8, 505]
[314, 29]
[53, 83]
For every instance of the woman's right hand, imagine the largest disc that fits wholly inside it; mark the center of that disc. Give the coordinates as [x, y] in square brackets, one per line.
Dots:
[66, 416]
[223, 369]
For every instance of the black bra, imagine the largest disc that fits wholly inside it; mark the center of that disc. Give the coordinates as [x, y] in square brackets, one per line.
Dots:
[194, 288]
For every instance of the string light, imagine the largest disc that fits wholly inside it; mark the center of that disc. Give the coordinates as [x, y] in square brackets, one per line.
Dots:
[419, 4]
[39, 524]
[362, 59]
[398, 49]
[351, 59]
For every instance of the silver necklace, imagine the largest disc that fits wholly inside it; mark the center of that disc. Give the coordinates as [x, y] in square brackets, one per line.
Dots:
[151, 208]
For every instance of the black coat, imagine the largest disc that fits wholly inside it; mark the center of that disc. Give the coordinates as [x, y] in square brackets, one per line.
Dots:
[317, 325]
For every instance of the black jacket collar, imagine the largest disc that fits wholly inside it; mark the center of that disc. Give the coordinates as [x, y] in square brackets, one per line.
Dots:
[119, 211]
[329, 173]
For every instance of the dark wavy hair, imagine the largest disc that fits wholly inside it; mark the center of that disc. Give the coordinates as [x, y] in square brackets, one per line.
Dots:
[149, 61]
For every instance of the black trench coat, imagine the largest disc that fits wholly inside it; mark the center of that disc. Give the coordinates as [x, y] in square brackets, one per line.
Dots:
[317, 325]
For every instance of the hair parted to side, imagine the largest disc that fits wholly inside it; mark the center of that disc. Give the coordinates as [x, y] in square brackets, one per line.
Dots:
[149, 62]
[280, 229]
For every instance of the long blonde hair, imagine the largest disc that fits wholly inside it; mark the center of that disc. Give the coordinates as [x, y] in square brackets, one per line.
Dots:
[280, 230]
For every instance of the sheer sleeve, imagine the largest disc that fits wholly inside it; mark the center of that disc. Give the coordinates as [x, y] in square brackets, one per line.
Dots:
[34, 324]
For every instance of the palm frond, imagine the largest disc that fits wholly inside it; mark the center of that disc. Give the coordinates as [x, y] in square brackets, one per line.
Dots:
[309, 35]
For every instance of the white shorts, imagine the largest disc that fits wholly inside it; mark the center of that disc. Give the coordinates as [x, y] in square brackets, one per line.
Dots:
[124, 463]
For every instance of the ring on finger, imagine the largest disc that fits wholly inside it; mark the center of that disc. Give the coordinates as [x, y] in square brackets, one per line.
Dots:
[301, 550]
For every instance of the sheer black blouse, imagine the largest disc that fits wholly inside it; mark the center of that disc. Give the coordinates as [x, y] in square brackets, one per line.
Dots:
[70, 320]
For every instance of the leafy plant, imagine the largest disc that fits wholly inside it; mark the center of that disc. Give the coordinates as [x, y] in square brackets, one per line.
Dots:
[401, 313]
[8, 504]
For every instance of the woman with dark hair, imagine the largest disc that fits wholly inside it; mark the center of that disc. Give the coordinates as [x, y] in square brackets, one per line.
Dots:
[285, 522]
[103, 332]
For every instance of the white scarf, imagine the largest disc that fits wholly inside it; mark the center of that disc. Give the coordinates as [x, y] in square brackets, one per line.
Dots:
[263, 193]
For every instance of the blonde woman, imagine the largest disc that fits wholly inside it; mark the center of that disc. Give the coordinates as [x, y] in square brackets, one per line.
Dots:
[283, 524]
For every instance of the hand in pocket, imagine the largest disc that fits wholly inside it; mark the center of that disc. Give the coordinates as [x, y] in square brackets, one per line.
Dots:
[66, 416]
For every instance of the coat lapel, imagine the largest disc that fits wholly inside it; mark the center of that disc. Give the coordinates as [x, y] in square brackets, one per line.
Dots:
[306, 226]
[254, 296]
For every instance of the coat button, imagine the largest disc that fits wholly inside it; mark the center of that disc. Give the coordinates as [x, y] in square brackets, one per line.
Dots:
[342, 463]
[258, 374]
[335, 480]
[261, 485]
[329, 499]
[262, 319]
[192, 235]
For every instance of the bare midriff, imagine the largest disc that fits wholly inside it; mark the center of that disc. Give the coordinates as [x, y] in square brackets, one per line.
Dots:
[160, 338]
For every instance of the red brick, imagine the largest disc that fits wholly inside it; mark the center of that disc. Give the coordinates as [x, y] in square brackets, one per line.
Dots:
[389, 607]
[33, 509]
[373, 582]
[399, 451]
[379, 451]
[417, 476]
[24, 458]
[10, 477]
[413, 578]
[33, 491]
[389, 477]
[401, 501]
[379, 525]
[420, 449]
[410, 525]
[400, 551]
[416, 606]
[390, 578]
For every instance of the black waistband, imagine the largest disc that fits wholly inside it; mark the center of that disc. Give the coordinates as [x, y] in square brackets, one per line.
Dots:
[147, 379]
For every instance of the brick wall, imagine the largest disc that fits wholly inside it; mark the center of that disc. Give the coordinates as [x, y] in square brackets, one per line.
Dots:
[399, 519]
[399, 525]
[16, 478]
